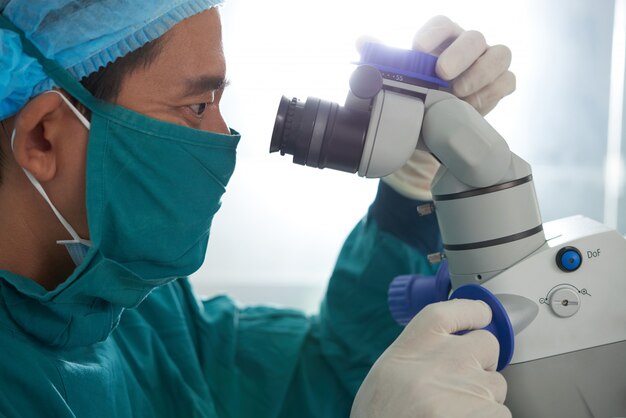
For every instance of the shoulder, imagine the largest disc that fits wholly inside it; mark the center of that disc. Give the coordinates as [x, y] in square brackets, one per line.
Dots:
[32, 385]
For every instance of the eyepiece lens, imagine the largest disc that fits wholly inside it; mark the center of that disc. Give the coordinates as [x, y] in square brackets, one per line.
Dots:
[320, 134]
[279, 125]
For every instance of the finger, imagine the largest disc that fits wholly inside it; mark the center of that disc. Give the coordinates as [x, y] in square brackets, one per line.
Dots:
[485, 110]
[489, 386]
[362, 40]
[491, 65]
[436, 32]
[487, 98]
[483, 347]
[450, 317]
[461, 54]
[497, 386]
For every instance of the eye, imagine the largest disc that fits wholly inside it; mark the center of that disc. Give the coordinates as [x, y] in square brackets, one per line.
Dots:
[199, 108]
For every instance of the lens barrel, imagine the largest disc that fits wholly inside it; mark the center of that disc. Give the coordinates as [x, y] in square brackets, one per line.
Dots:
[320, 134]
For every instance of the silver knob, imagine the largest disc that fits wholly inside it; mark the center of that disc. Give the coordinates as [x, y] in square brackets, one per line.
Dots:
[435, 258]
[564, 301]
[425, 209]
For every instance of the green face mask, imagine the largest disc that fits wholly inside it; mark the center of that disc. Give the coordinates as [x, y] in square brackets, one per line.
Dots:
[152, 191]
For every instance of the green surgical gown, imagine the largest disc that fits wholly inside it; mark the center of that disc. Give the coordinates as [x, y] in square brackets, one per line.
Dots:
[176, 356]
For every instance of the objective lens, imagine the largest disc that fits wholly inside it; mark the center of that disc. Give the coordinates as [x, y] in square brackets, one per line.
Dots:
[320, 134]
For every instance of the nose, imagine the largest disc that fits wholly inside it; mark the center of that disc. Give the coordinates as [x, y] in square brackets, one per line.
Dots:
[215, 123]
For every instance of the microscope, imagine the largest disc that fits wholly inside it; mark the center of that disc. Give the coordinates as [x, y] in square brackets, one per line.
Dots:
[556, 289]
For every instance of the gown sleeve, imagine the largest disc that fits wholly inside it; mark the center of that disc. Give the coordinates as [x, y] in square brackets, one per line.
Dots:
[273, 362]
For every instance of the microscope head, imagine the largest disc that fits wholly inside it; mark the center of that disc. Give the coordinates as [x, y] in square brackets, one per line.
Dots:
[483, 193]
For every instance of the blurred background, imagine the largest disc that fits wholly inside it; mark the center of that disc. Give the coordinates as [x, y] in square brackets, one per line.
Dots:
[281, 226]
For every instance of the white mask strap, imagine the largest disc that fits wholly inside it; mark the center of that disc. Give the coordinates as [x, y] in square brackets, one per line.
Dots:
[41, 190]
[79, 115]
[75, 111]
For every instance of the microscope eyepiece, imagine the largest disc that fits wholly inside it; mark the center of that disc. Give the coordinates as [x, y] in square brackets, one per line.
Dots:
[320, 134]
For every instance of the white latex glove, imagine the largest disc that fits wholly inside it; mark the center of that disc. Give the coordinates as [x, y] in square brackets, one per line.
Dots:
[478, 73]
[428, 372]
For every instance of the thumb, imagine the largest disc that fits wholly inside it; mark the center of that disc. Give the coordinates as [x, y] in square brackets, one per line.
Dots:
[447, 318]
[436, 35]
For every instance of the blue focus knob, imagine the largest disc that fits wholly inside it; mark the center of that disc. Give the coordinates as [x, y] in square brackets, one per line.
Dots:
[400, 64]
[568, 259]
[409, 294]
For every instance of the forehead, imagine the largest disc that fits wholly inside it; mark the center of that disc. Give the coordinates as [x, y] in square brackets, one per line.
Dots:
[194, 45]
[191, 49]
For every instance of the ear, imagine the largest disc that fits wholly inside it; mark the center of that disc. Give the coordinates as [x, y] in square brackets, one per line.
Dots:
[41, 129]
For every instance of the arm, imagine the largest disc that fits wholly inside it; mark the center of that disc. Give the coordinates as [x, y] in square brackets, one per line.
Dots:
[356, 324]
[271, 362]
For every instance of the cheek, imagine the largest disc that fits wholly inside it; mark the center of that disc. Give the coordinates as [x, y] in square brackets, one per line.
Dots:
[72, 185]
[79, 187]
[75, 162]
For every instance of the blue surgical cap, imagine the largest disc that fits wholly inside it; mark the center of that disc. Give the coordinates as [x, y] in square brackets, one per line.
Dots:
[80, 35]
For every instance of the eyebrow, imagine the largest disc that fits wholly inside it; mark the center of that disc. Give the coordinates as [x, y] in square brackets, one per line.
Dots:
[203, 84]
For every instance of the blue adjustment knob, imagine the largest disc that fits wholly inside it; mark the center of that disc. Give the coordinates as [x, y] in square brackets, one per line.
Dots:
[568, 259]
[398, 64]
[411, 293]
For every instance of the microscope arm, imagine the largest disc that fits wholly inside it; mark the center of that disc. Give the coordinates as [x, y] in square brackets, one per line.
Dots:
[463, 141]
[484, 195]
[440, 123]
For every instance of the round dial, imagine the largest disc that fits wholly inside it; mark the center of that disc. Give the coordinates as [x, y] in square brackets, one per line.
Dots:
[564, 301]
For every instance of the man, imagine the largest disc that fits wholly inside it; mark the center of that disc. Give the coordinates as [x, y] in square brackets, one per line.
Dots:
[108, 189]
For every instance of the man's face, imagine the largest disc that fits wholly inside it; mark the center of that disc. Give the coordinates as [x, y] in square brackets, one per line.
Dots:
[185, 83]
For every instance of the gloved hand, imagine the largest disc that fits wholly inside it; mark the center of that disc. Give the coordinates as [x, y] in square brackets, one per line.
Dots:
[428, 372]
[479, 74]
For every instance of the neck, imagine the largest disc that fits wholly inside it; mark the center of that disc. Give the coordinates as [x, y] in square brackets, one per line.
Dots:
[28, 234]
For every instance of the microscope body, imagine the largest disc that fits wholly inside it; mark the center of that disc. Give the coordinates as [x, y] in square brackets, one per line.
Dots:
[570, 354]
[562, 283]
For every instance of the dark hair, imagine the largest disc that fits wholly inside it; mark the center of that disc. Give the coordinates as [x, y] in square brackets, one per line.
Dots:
[105, 84]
